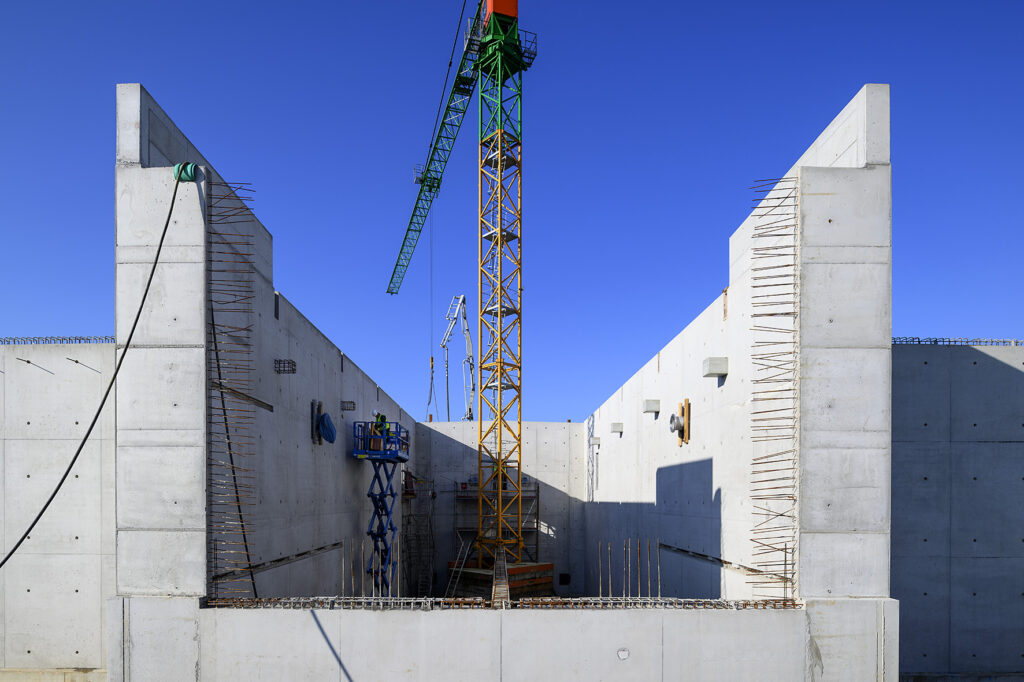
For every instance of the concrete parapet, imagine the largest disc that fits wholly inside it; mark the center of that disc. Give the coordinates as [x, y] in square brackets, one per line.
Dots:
[456, 645]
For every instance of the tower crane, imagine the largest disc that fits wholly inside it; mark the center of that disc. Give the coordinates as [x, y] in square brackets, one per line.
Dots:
[495, 55]
[456, 312]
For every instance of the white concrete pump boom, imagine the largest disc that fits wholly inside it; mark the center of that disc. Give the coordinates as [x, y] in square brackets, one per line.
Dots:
[457, 311]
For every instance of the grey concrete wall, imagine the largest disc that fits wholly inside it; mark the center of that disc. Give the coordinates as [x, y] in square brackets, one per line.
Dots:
[845, 233]
[172, 639]
[146, 135]
[647, 486]
[845, 379]
[161, 389]
[54, 589]
[305, 495]
[552, 454]
[698, 495]
[845, 332]
[958, 515]
[643, 483]
[219, 644]
[309, 495]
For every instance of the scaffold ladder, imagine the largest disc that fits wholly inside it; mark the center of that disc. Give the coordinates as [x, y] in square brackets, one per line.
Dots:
[460, 562]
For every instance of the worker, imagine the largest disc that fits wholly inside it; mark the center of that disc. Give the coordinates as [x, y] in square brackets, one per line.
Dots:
[379, 430]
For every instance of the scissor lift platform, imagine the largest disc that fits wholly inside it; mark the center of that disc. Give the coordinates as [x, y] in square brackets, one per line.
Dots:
[385, 446]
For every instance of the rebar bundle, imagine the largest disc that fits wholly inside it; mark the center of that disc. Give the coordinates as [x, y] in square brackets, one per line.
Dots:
[775, 301]
[51, 340]
[229, 369]
[591, 460]
[553, 603]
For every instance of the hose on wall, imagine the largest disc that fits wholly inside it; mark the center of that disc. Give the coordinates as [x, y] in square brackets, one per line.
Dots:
[183, 172]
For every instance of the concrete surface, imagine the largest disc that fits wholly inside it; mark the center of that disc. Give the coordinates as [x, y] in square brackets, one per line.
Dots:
[645, 483]
[637, 484]
[160, 398]
[55, 587]
[305, 495]
[845, 379]
[309, 495]
[469, 645]
[552, 454]
[844, 374]
[958, 526]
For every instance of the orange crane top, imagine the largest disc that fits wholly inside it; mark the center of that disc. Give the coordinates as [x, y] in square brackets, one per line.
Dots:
[509, 8]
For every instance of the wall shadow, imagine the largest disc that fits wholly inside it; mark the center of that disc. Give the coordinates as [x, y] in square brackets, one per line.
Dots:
[327, 640]
[592, 542]
[686, 513]
[957, 542]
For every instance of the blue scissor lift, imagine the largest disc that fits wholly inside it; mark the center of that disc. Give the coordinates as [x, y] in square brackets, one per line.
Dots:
[385, 447]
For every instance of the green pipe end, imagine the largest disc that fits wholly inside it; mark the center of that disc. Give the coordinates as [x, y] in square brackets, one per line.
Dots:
[185, 172]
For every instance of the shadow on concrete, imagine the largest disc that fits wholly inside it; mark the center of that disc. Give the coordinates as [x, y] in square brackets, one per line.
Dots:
[686, 513]
[330, 646]
[957, 539]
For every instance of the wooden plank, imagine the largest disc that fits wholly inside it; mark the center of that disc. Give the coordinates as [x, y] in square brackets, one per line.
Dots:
[686, 420]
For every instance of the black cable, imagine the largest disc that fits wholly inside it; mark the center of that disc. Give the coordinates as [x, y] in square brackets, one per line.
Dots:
[432, 391]
[430, 310]
[117, 368]
[444, 90]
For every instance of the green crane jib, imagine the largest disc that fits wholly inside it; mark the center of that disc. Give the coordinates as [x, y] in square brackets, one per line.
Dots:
[429, 178]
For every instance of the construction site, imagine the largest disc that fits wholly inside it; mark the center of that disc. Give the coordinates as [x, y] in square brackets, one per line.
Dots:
[780, 493]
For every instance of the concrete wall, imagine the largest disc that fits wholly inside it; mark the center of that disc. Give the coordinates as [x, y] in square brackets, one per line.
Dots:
[647, 486]
[161, 396]
[698, 495]
[309, 495]
[845, 379]
[305, 495]
[643, 483]
[468, 645]
[151, 537]
[54, 589]
[958, 485]
[552, 454]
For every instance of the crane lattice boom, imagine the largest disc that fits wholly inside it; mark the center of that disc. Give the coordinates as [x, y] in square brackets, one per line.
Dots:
[429, 176]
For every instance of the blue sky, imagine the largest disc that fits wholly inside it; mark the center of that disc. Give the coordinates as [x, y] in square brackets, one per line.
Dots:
[643, 131]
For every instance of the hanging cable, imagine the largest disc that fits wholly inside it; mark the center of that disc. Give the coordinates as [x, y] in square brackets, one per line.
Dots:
[444, 90]
[436, 411]
[430, 317]
[181, 172]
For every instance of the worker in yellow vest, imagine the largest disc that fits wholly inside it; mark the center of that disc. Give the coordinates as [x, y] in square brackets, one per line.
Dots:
[378, 431]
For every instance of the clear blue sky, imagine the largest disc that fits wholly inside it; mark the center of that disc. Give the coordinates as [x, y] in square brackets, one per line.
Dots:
[643, 131]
